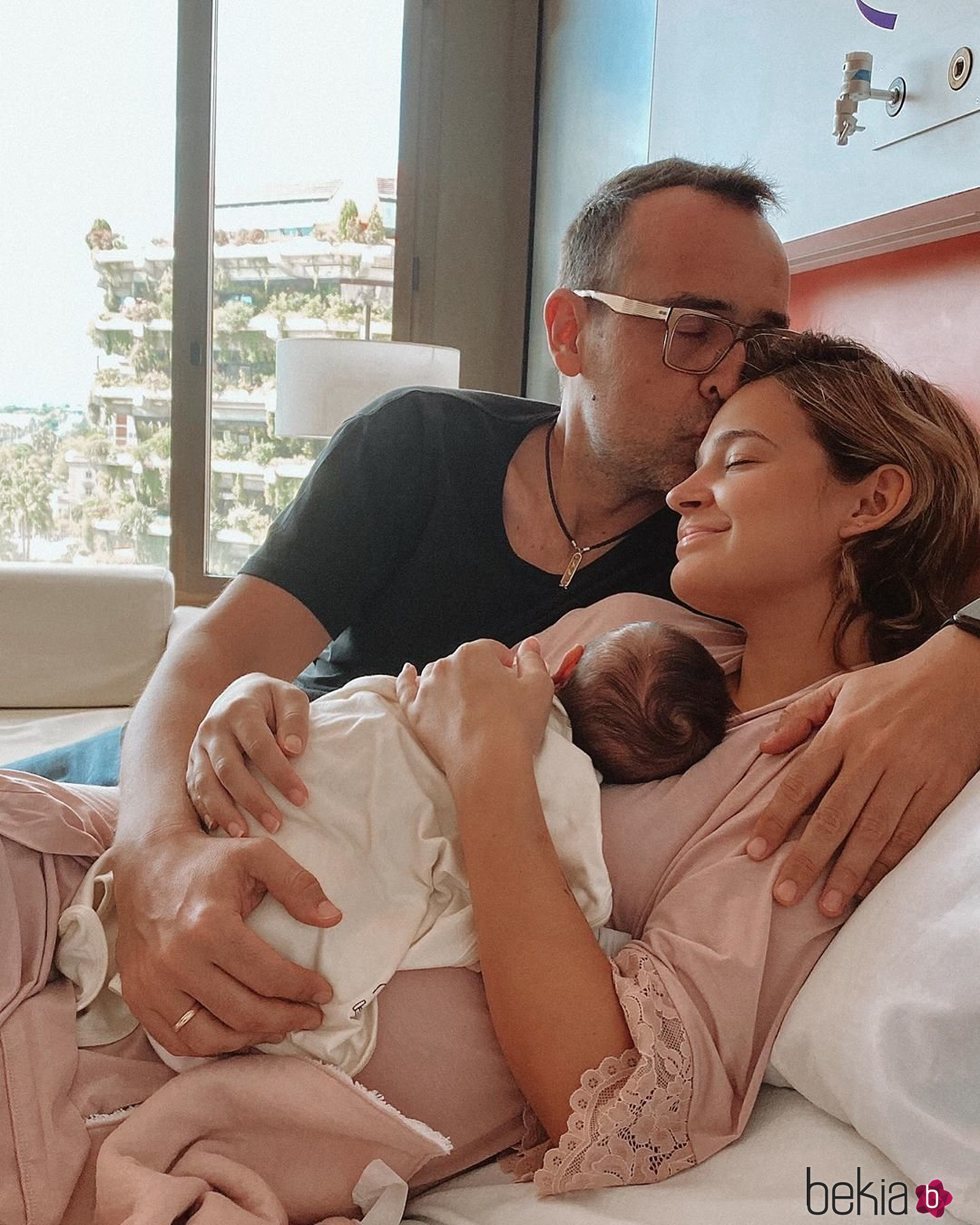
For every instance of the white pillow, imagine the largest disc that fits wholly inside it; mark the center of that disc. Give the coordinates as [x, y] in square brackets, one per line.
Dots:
[885, 1034]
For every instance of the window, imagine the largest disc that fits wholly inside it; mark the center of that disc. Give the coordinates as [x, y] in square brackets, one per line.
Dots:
[291, 242]
[136, 344]
[302, 165]
[88, 218]
[115, 300]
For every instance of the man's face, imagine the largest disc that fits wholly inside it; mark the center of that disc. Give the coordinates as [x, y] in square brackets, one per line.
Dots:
[683, 247]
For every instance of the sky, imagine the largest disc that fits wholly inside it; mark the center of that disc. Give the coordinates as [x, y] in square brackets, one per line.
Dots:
[307, 91]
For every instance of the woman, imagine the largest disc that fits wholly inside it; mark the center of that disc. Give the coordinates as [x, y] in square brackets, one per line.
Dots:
[818, 519]
[814, 520]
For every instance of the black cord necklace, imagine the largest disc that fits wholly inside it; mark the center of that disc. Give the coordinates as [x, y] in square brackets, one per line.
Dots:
[578, 550]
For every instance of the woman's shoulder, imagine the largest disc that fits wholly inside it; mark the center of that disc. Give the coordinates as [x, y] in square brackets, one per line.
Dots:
[722, 638]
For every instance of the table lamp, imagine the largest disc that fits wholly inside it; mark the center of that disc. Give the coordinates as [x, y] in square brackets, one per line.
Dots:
[320, 382]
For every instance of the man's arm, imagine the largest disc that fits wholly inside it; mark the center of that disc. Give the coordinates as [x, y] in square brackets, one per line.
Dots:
[181, 895]
[254, 626]
[896, 743]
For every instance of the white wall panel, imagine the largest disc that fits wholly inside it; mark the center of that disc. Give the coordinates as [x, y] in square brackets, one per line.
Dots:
[758, 80]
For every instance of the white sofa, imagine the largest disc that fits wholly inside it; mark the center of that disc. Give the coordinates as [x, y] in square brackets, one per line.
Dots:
[76, 646]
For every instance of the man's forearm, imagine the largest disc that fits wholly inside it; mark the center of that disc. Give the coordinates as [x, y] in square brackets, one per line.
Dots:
[253, 626]
[159, 735]
[182, 897]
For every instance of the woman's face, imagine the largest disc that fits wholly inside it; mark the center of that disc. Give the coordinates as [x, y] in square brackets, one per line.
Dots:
[761, 517]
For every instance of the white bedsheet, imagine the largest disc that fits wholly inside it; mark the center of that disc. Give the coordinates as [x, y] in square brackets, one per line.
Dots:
[758, 1180]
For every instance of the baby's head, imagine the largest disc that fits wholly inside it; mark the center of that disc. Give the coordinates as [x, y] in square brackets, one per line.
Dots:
[645, 701]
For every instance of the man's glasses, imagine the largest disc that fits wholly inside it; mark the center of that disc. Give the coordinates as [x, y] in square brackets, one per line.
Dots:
[695, 341]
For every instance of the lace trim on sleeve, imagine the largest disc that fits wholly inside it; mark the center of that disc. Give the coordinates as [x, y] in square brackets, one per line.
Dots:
[629, 1117]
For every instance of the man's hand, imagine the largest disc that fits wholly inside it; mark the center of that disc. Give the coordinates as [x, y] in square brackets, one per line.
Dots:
[900, 741]
[259, 719]
[183, 942]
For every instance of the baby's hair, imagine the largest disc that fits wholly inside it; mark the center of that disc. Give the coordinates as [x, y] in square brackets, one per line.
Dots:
[646, 705]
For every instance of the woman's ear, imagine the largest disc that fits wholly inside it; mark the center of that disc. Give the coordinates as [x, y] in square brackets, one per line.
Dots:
[881, 497]
[564, 314]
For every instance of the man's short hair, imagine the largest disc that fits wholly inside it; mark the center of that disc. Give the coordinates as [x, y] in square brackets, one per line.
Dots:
[589, 246]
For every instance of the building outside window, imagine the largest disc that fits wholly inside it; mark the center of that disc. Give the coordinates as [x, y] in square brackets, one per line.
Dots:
[305, 145]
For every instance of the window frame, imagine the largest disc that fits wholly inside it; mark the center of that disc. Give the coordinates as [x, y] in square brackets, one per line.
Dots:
[193, 267]
[190, 406]
[444, 47]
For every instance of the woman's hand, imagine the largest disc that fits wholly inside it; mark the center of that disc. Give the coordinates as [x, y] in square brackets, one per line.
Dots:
[259, 719]
[484, 699]
[896, 743]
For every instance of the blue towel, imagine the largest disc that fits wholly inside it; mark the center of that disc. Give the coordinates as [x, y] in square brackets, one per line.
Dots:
[93, 760]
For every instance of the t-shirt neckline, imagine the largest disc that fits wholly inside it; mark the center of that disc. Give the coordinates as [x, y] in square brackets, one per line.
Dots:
[514, 559]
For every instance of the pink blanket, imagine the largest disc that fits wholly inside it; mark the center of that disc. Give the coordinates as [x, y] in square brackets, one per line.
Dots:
[111, 1135]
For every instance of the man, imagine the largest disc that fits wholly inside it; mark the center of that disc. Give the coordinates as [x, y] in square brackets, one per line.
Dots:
[437, 517]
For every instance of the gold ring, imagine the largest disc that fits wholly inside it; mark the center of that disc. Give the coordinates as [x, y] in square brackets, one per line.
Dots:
[189, 1015]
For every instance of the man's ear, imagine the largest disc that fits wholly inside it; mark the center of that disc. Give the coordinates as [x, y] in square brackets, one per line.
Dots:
[564, 315]
[881, 497]
[567, 666]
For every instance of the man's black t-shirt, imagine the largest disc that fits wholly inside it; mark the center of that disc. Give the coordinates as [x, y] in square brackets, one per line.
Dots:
[396, 540]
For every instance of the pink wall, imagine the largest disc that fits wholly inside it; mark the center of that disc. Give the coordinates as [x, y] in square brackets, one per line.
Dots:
[920, 308]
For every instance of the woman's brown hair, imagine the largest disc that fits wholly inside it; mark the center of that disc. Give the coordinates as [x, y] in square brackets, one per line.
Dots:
[864, 413]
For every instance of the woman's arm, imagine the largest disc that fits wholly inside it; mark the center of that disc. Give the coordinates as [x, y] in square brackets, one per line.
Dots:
[549, 987]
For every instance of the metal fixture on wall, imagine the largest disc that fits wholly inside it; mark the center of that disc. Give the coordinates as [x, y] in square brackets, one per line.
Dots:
[960, 67]
[856, 88]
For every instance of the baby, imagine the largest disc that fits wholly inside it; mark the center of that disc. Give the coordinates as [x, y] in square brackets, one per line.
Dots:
[379, 831]
[644, 701]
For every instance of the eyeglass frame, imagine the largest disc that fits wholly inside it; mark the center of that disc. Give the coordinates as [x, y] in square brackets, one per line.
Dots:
[665, 314]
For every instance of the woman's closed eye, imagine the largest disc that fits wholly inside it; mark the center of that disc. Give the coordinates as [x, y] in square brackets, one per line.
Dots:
[737, 463]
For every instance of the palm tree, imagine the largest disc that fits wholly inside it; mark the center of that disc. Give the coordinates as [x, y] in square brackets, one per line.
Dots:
[26, 489]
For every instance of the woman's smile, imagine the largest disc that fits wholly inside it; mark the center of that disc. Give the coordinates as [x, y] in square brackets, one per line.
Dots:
[688, 533]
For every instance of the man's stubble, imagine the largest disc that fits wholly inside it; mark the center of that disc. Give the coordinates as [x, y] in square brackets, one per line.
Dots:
[634, 468]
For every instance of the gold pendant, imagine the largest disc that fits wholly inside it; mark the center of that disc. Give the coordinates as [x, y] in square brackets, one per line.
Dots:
[573, 564]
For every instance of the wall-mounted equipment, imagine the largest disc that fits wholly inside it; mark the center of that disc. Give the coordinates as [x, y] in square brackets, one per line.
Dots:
[960, 67]
[911, 178]
[856, 88]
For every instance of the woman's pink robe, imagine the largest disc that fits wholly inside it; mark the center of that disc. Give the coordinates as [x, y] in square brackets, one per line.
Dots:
[704, 983]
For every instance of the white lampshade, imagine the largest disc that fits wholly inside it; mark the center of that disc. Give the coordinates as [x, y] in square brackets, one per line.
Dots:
[320, 383]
